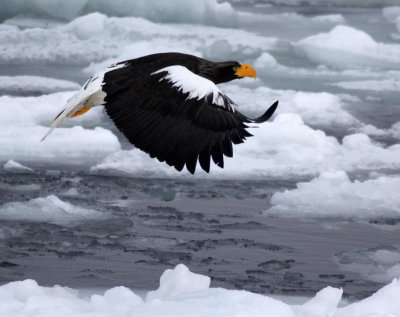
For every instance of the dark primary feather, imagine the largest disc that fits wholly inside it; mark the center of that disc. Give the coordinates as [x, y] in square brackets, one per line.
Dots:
[163, 122]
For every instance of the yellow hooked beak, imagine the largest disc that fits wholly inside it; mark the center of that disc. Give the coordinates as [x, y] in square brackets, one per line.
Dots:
[245, 71]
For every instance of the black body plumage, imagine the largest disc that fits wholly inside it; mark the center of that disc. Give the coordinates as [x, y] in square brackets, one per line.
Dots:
[163, 121]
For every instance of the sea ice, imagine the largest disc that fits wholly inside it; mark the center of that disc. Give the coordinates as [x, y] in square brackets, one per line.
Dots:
[95, 37]
[12, 166]
[391, 13]
[333, 194]
[348, 47]
[178, 281]
[285, 147]
[27, 298]
[35, 85]
[22, 125]
[317, 109]
[379, 264]
[371, 85]
[350, 3]
[172, 11]
[47, 209]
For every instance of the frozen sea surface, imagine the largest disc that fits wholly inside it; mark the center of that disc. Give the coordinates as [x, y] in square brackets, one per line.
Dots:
[311, 201]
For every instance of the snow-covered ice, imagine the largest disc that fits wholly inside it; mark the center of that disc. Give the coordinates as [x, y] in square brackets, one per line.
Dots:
[280, 148]
[333, 194]
[379, 264]
[35, 85]
[191, 11]
[27, 298]
[345, 46]
[47, 209]
[23, 123]
[374, 85]
[13, 166]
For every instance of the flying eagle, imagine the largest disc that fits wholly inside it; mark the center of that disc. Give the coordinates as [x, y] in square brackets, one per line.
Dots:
[168, 105]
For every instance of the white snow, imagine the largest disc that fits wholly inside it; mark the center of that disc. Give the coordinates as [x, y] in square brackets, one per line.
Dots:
[333, 194]
[391, 13]
[95, 37]
[35, 84]
[12, 166]
[178, 281]
[27, 298]
[189, 11]
[70, 146]
[47, 209]
[23, 122]
[317, 109]
[350, 3]
[348, 47]
[285, 147]
[189, 83]
[371, 85]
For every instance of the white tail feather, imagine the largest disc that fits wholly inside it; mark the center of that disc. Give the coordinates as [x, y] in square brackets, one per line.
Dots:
[90, 95]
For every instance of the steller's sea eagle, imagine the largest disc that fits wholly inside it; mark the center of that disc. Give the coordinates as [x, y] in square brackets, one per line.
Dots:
[168, 105]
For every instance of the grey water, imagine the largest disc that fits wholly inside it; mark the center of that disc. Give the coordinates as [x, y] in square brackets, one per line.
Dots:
[217, 228]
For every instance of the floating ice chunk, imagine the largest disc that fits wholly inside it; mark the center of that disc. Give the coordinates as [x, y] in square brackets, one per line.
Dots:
[47, 209]
[16, 167]
[178, 281]
[329, 18]
[33, 111]
[21, 120]
[95, 37]
[347, 47]
[317, 109]
[349, 3]
[70, 146]
[190, 11]
[332, 194]
[371, 85]
[324, 303]
[21, 298]
[375, 264]
[34, 85]
[117, 301]
[391, 13]
[385, 302]
[72, 192]
[283, 148]
[173, 11]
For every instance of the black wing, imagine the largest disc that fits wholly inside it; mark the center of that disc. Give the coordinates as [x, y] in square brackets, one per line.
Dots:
[164, 122]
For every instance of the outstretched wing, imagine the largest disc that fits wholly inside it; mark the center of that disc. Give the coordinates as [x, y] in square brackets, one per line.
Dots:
[175, 115]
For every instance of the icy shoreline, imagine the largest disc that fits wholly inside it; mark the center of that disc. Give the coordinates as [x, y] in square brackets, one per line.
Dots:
[183, 293]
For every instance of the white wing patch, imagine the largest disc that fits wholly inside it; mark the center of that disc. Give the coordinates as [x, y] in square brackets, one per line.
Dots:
[189, 83]
[90, 95]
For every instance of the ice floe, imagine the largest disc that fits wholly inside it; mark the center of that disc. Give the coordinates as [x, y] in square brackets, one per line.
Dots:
[379, 264]
[24, 121]
[333, 194]
[317, 109]
[348, 47]
[349, 3]
[285, 147]
[34, 85]
[27, 298]
[95, 37]
[391, 13]
[371, 85]
[13, 166]
[190, 11]
[47, 209]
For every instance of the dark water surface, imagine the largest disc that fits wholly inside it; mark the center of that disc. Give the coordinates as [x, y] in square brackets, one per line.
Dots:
[217, 228]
